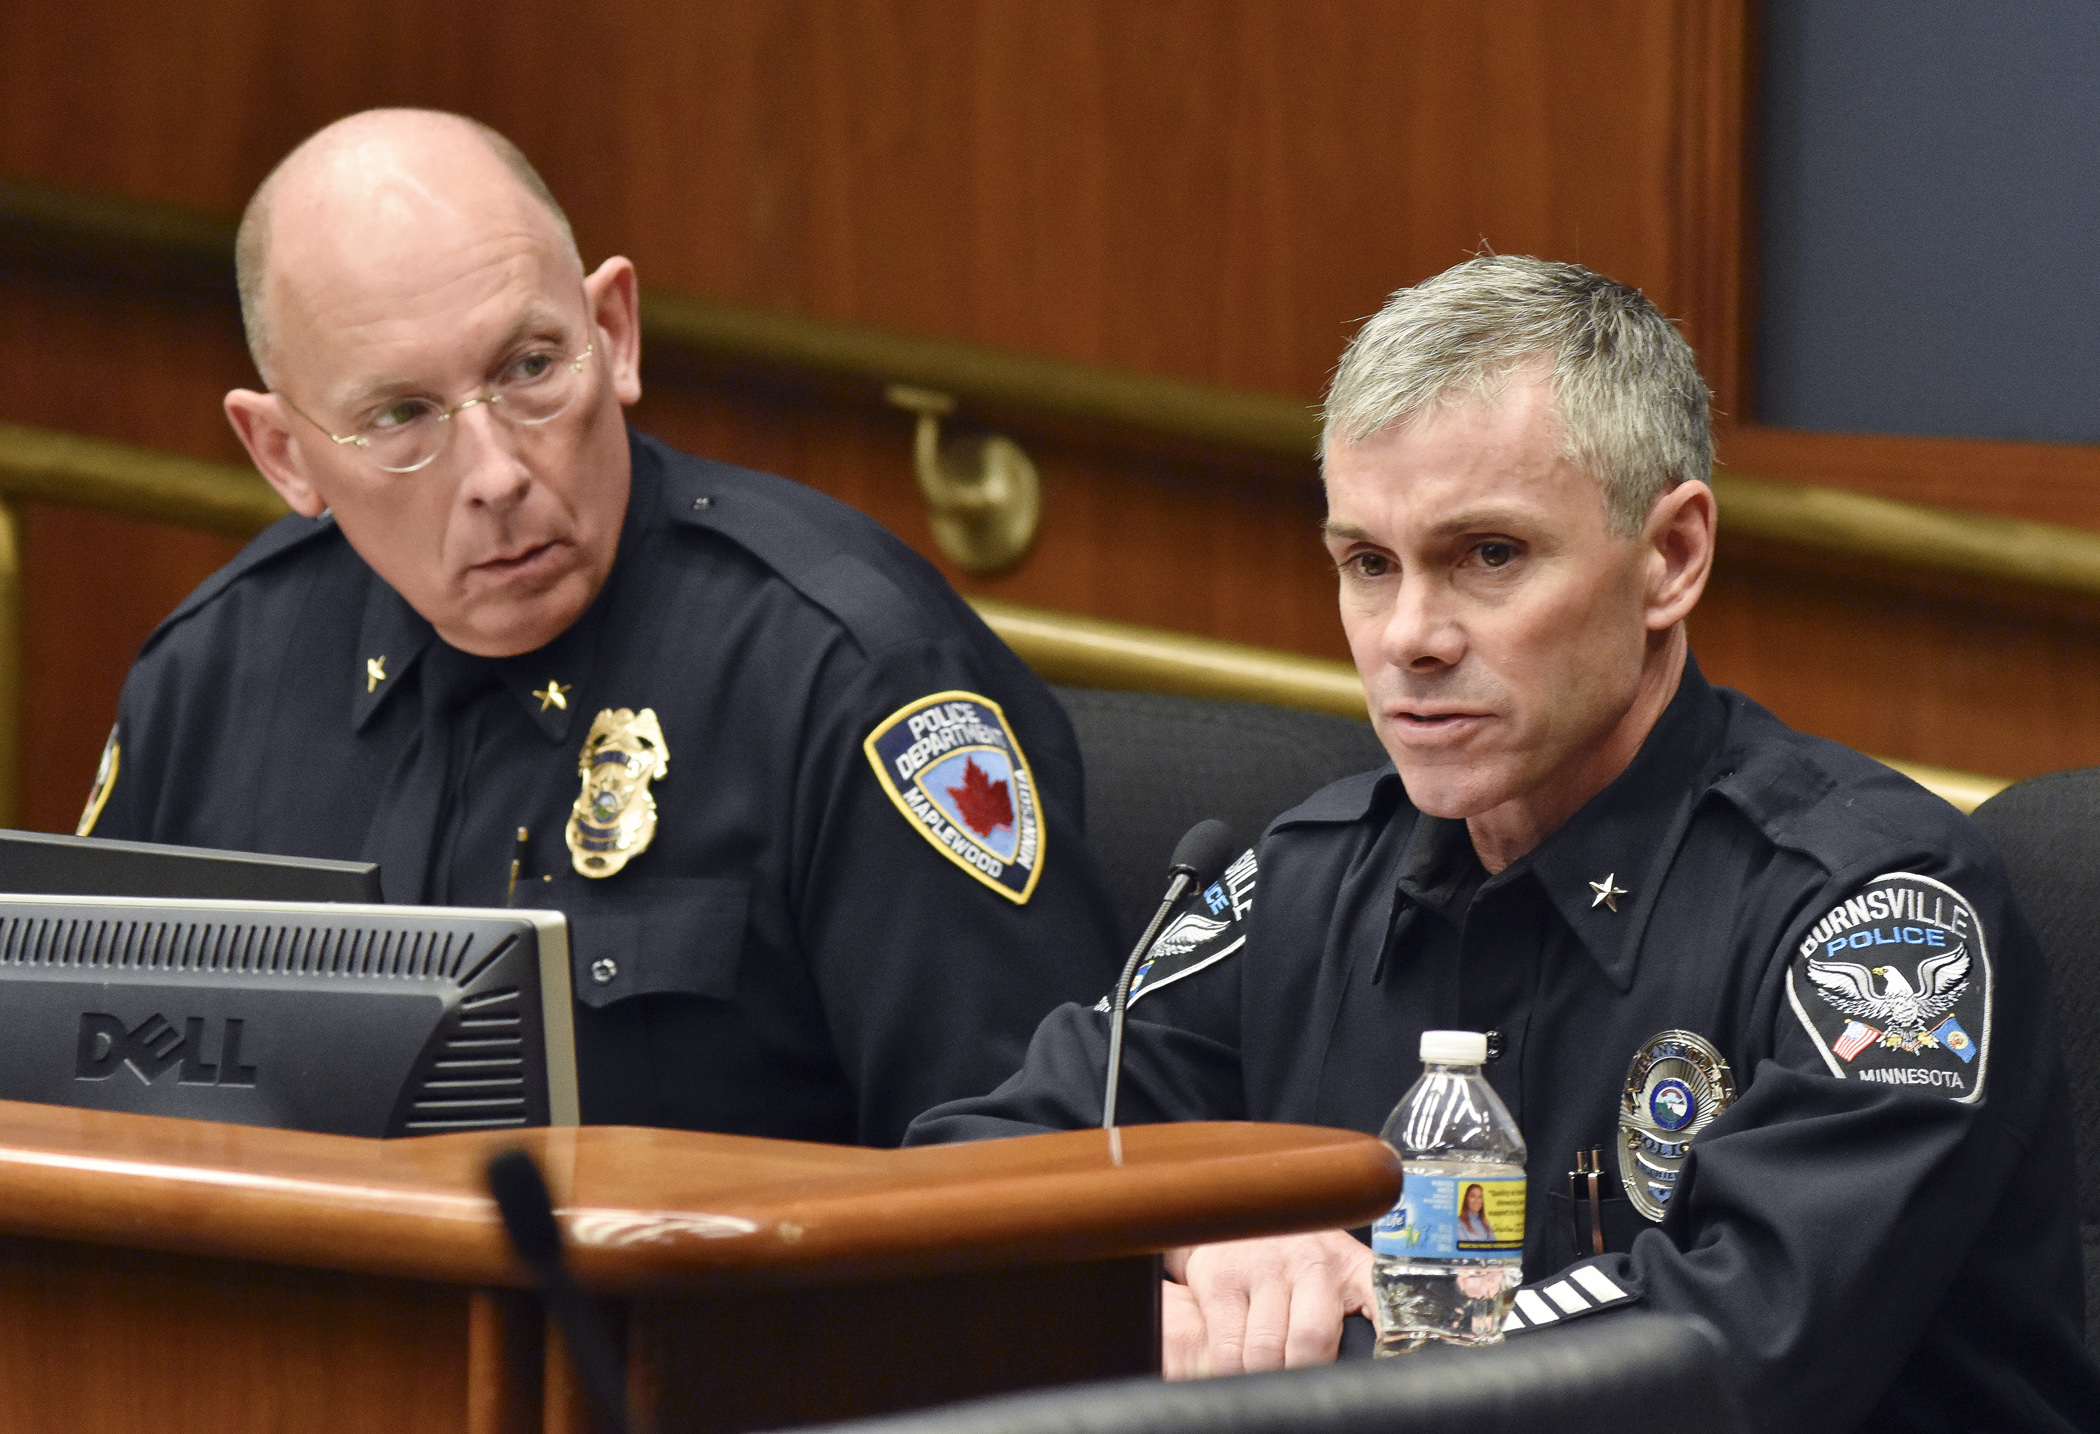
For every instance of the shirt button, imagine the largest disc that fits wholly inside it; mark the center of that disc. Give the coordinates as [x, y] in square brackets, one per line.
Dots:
[604, 969]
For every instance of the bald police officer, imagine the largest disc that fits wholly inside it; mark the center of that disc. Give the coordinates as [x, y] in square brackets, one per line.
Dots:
[1776, 994]
[818, 833]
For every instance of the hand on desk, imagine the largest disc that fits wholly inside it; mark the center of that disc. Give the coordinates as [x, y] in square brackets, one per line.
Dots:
[1247, 1305]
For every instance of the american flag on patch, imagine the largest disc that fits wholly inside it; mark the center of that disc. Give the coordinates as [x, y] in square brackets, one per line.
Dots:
[1858, 1036]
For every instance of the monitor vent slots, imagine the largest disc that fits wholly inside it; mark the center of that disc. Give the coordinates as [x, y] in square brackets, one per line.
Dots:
[477, 1081]
[258, 948]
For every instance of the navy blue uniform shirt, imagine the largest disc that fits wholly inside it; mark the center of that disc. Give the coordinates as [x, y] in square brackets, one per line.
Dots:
[792, 955]
[1882, 1223]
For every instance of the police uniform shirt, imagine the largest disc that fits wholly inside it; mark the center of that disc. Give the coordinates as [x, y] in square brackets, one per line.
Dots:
[804, 948]
[1882, 1223]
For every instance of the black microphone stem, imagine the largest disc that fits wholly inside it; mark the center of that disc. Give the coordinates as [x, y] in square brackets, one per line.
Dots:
[1175, 888]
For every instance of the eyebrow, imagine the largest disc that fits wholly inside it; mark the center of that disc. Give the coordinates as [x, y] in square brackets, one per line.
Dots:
[1479, 520]
[533, 318]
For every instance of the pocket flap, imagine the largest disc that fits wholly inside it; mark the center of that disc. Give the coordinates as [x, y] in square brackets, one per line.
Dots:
[650, 936]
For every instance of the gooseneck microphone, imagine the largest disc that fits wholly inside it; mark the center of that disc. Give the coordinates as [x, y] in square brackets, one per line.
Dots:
[1199, 857]
[528, 1214]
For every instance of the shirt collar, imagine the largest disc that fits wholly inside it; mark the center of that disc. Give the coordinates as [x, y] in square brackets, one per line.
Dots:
[1438, 867]
[1615, 851]
[545, 682]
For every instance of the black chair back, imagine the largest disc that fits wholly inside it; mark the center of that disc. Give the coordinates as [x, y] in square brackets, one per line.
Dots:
[1156, 765]
[1597, 1376]
[2048, 830]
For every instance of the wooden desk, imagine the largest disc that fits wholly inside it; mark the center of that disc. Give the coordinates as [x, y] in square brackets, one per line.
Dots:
[170, 1275]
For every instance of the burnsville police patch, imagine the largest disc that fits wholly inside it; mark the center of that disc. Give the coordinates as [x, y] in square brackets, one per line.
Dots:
[951, 764]
[1210, 925]
[1894, 986]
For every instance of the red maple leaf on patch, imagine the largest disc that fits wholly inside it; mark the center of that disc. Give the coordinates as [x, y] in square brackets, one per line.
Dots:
[984, 804]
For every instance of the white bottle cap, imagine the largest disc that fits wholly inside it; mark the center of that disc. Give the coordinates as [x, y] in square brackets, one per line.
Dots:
[1454, 1048]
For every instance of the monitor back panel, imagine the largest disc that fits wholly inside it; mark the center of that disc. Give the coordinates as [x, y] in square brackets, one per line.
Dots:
[344, 1019]
[42, 862]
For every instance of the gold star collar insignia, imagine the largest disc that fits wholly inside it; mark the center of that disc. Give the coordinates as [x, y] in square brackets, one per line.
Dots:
[375, 672]
[1608, 893]
[554, 694]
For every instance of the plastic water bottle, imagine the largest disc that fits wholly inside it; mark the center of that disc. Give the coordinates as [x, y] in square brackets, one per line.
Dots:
[1447, 1260]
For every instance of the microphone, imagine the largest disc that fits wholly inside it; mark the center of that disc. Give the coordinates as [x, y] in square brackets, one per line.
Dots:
[1200, 855]
[528, 1214]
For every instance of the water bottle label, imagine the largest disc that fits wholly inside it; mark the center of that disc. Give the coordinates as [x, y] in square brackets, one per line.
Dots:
[1454, 1217]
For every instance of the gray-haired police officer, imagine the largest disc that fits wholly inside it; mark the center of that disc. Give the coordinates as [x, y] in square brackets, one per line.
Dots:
[1777, 993]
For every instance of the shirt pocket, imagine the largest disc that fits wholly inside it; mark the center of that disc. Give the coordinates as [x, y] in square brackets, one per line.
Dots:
[1569, 1230]
[651, 936]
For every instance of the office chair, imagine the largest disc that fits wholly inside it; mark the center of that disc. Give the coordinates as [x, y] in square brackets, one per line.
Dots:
[1156, 765]
[2048, 830]
[1596, 1376]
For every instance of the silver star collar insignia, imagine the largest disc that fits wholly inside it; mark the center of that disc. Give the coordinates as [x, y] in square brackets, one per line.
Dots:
[1608, 893]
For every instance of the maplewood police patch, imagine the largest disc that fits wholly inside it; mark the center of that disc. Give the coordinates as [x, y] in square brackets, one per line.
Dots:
[952, 766]
[1894, 985]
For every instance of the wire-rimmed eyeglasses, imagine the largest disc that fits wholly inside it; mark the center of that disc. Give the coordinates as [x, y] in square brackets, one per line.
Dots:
[404, 435]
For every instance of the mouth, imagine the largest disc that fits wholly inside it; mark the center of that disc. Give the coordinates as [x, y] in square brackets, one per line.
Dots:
[1433, 726]
[526, 562]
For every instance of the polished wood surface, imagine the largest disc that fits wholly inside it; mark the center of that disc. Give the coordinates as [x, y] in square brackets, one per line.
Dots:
[1204, 191]
[652, 1208]
[163, 1273]
[118, 1341]
[2044, 482]
[769, 1357]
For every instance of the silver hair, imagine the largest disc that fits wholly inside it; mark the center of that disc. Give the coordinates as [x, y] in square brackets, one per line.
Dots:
[251, 247]
[1633, 409]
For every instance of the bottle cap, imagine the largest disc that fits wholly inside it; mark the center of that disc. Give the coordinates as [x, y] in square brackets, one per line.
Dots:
[1454, 1048]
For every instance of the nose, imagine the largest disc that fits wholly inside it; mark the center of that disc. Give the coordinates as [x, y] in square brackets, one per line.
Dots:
[492, 469]
[1422, 633]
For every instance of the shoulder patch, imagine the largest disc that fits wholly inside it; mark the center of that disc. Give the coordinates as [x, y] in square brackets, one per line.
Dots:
[954, 769]
[1894, 986]
[1210, 926]
[105, 783]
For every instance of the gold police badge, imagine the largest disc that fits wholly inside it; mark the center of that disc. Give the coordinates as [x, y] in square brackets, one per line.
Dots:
[615, 817]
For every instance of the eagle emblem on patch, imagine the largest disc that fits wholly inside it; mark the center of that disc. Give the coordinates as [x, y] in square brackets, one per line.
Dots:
[952, 766]
[614, 817]
[1894, 986]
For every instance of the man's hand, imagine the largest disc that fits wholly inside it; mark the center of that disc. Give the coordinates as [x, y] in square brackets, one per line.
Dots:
[1247, 1305]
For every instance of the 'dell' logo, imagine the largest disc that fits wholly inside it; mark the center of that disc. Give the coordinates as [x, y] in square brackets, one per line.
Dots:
[153, 1045]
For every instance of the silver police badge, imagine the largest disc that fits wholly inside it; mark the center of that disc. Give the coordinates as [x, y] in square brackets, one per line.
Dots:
[614, 817]
[1676, 1086]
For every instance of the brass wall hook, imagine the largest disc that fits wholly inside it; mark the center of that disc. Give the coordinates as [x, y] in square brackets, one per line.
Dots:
[986, 499]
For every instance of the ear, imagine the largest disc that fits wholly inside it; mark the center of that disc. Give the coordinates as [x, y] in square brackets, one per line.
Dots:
[1679, 536]
[614, 295]
[262, 422]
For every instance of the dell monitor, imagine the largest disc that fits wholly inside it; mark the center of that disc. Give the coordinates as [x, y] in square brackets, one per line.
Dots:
[343, 1018]
[93, 866]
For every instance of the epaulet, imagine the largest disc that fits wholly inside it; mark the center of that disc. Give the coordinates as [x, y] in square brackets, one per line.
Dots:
[1829, 803]
[1348, 800]
[764, 516]
[286, 535]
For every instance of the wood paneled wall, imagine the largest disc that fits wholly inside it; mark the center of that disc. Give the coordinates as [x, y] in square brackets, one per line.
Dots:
[1213, 189]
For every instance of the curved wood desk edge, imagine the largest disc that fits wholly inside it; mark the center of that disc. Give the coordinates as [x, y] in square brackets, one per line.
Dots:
[669, 1209]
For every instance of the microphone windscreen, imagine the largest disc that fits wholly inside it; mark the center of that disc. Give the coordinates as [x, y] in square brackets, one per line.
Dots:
[528, 1212]
[1204, 851]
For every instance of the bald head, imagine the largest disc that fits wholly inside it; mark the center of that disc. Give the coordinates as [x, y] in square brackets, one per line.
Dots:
[370, 179]
[407, 280]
